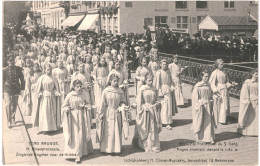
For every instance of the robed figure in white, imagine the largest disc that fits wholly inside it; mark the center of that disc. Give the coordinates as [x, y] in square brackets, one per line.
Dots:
[164, 84]
[203, 123]
[176, 70]
[112, 121]
[248, 108]
[219, 83]
[76, 118]
[148, 120]
[47, 116]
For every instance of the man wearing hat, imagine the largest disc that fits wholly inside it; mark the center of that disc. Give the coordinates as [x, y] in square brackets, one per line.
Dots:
[103, 45]
[13, 83]
[116, 44]
[148, 34]
[234, 52]
[154, 51]
[18, 45]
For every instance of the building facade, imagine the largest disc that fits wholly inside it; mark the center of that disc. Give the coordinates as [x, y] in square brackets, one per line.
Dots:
[110, 22]
[118, 17]
[94, 15]
[50, 13]
[80, 15]
[178, 14]
[15, 11]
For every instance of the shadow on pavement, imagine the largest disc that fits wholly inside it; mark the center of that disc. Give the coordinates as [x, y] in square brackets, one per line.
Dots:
[181, 122]
[166, 145]
[132, 123]
[17, 124]
[96, 153]
[233, 117]
[51, 133]
[130, 96]
[126, 150]
[234, 106]
[186, 105]
[227, 136]
[28, 126]
[68, 159]
[130, 149]
[94, 126]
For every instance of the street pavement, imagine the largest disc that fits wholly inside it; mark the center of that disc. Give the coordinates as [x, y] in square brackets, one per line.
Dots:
[15, 142]
[178, 145]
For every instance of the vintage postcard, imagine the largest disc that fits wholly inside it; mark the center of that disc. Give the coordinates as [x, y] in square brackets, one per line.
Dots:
[130, 82]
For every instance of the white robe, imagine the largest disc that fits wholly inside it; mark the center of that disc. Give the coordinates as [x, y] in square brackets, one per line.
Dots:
[163, 83]
[218, 82]
[48, 115]
[100, 76]
[148, 122]
[62, 75]
[110, 127]
[202, 115]
[76, 126]
[248, 110]
[176, 71]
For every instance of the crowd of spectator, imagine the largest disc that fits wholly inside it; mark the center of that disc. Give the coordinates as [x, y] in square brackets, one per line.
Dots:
[237, 49]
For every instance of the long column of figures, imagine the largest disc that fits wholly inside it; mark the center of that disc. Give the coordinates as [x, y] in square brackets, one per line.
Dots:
[80, 83]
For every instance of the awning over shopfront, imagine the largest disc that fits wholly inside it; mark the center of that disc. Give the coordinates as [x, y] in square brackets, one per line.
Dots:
[72, 20]
[89, 22]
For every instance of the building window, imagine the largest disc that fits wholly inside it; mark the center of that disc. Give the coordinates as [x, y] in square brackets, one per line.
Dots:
[115, 21]
[104, 22]
[229, 4]
[181, 5]
[199, 18]
[128, 4]
[255, 2]
[109, 21]
[201, 4]
[182, 22]
[194, 19]
[89, 5]
[161, 21]
[148, 21]
[109, 25]
[98, 4]
[115, 25]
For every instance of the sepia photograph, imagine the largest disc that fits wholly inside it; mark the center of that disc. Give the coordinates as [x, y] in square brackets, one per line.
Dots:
[129, 82]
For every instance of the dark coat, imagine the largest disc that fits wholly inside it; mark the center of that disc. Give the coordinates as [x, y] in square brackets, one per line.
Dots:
[13, 80]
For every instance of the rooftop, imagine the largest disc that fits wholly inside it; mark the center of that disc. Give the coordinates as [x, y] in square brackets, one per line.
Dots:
[234, 20]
